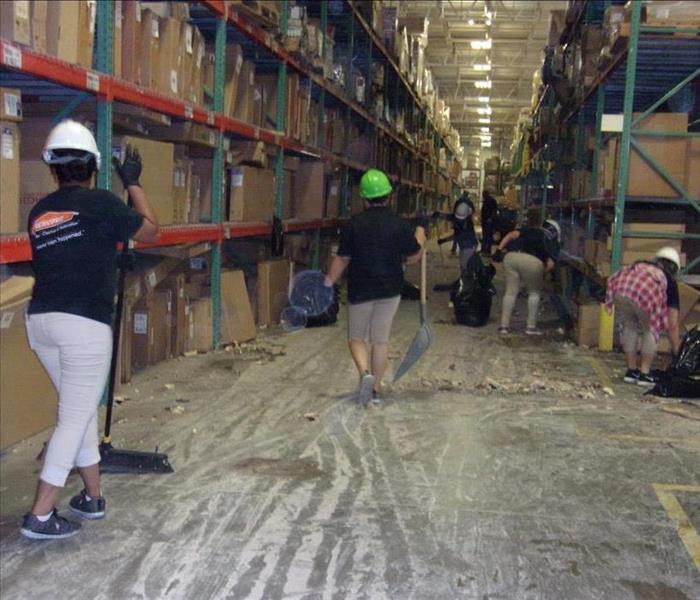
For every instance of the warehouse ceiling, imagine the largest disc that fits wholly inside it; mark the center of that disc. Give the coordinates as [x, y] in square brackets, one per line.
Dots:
[517, 30]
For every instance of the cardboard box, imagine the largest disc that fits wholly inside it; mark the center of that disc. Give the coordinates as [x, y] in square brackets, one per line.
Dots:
[10, 180]
[10, 104]
[333, 197]
[234, 66]
[131, 41]
[182, 175]
[199, 325]
[185, 132]
[245, 94]
[169, 77]
[175, 284]
[36, 182]
[70, 30]
[252, 194]
[587, 325]
[309, 197]
[689, 298]
[650, 245]
[150, 49]
[272, 290]
[15, 24]
[39, 10]
[157, 176]
[202, 169]
[151, 328]
[28, 399]
[237, 322]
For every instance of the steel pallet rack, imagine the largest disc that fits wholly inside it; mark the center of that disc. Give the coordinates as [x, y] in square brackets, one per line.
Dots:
[49, 77]
[651, 69]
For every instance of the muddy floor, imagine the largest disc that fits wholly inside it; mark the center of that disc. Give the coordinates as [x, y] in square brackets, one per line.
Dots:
[498, 468]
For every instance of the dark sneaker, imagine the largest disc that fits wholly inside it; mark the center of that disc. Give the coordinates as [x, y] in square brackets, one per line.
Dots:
[88, 509]
[646, 380]
[376, 398]
[364, 394]
[631, 376]
[56, 528]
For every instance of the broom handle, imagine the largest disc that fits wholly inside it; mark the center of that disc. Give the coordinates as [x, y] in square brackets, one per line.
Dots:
[423, 270]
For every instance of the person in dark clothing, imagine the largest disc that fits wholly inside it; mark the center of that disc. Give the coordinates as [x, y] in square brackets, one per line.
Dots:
[532, 252]
[463, 235]
[74, 233]
[489, 210]
[373, 248]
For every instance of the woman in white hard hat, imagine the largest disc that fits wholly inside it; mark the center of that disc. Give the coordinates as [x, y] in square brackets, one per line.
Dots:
[531, 252]
[646, 301]
[74, 233]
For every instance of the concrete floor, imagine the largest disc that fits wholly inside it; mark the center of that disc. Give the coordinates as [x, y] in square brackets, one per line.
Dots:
[497, 469]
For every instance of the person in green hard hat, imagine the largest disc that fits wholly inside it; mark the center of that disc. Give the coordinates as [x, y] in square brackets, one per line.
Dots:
[373, 247]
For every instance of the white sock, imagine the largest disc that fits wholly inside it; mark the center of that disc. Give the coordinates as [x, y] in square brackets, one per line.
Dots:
[44, 518]
[87, 497]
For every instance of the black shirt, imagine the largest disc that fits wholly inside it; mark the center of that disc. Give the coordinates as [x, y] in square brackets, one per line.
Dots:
[376, 242]
[672, 296]
[489, 208]
[534, 240]
[74, 233]
[464, 233]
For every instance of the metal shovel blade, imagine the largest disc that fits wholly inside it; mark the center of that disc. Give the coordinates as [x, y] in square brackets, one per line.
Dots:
[421, 342]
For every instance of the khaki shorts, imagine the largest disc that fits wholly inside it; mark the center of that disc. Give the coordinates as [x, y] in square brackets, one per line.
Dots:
[371, 321]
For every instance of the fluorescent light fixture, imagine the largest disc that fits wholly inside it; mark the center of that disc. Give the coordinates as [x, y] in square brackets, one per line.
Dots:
[488, 22]
[470, 22]
[484, 110]
[484, 85]
[481, 45]
[485, 120]
[485, 130]
[482, 67]
[483, 98]
[485, 144]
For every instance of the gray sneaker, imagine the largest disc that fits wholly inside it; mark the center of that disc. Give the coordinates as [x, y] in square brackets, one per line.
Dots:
[88, 509]
[364, 394]
[56, 528]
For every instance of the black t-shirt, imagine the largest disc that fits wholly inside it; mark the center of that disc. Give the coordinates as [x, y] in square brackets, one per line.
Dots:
[464, 233]
[489, 208]
[74, 233]
[673, 299]
[376, 242]
[534, 240]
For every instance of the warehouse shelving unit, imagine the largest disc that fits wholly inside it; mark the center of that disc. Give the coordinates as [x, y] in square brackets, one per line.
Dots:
[220, 21]
[655, 65]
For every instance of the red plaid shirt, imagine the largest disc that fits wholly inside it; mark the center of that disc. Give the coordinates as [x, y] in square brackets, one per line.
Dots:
[644, 284]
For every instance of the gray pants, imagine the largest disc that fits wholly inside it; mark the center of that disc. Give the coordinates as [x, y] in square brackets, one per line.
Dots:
[522, 269]
[371, 321]
[464, 255]
[635, 325]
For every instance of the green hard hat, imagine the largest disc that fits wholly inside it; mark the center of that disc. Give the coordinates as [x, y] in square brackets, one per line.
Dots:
[374, 184]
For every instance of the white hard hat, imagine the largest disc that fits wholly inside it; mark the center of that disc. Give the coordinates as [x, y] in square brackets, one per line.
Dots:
[670, 254]
[554, 225]
[70, 135]
[462, 211]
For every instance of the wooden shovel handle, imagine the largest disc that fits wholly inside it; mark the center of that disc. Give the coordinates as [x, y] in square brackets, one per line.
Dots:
[423, 274]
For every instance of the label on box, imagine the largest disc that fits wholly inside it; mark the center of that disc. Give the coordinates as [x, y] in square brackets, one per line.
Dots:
[22, 9]
[6, 319]
[200, 56]
[151, 279]
[189, 111]
[257, 95]
[7, 144]
[13, 104]
[251, 78]
[92, 81]
[212, 138]
[118, 14]
[239, 64]
[11, 56]
[188, 39]
[187, 309]
[154, 27]
[141, 323]
[173, 81]
[334, 190]
[236, 178]
[198, 263]
[92, 7]
[137, 11]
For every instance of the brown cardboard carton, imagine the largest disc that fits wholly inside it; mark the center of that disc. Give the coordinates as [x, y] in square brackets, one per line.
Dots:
[36, 181]
[162, 325]
[10, 104]
[175, 283]
[27, 398]
[272, 290]
[689, 298]
[252, 194]
[185, 132]
[117, 40]
[131, 41]
[70, 29]
[10, 180]
[587, 325]
[39, 15]
[237, 322]
[182, 175]
[199, 325]
[150, 49]
[245, 94]
[15, 288]
[87, 13]
[632, 256]
[691, 184]
[650, 245]
[202, 169]
[142, 332]
[234, 67]
[333, 197]
[15, 21]
[170, 75]
[309, 192]
[157, 175]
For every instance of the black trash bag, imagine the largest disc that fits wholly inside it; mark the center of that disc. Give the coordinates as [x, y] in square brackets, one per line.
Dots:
[682, 379]
[410, 291]
[473, 293]
[328, 316]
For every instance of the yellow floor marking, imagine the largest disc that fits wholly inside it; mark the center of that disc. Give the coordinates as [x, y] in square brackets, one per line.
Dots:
[600, 371]
[686, 531]
[629, 437]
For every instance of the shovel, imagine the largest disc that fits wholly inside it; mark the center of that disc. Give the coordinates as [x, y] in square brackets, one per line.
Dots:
[424, 336]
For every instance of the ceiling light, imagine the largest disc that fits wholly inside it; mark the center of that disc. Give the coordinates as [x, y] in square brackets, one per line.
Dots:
[484, 119]
[482, 67]
[485, 130]
[488, 22]
[481, 45]
[484, 110]
[470, 22]
[483, 98]
[484, 85]
[485, 144]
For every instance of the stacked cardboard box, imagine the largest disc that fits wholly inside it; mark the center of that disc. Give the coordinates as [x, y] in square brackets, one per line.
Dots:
[10, 115]
[252, 194]
[272, 290]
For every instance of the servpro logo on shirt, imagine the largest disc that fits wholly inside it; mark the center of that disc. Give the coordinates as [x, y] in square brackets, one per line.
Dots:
[52, 219]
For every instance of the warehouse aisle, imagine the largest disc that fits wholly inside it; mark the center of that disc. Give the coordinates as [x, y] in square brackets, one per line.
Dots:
[500, 468]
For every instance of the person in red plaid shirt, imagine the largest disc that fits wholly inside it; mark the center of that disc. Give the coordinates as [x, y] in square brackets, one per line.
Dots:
[646, 301]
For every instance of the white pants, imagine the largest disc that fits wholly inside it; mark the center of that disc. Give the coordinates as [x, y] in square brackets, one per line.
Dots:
[76, 353]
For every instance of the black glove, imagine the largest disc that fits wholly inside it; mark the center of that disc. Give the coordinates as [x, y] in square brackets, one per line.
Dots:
[423, 221]
[498, 256]
[129, 171]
